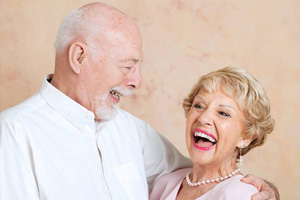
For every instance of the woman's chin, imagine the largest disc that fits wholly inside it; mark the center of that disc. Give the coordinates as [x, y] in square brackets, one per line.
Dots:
[202, 158]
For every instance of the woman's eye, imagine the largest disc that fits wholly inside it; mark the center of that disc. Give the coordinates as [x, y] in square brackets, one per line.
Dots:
[224, 114]
[197, 106]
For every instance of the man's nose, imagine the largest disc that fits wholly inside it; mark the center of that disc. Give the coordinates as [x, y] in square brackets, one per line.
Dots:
[135, 79]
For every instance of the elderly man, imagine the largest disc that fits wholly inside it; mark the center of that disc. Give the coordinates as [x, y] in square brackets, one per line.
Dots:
[70, 140]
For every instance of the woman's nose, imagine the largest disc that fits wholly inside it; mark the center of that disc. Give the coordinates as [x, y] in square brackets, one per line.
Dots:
[205, 117]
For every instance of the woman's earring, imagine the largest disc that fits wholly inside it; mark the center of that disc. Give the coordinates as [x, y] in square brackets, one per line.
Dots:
[240, 158]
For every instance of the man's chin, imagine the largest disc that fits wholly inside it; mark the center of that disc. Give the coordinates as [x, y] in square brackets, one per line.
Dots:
[106, 114]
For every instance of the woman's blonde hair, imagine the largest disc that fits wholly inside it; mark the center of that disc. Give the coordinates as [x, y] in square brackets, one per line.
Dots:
[249, 95]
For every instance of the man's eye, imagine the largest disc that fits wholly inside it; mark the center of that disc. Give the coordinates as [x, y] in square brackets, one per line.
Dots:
[126, 69]
[224, 114]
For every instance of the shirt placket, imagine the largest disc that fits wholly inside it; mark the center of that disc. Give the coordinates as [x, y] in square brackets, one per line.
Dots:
[104, 160]
[89, 130]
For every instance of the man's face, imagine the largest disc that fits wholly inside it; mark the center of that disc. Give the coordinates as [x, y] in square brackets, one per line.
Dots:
[115, 71]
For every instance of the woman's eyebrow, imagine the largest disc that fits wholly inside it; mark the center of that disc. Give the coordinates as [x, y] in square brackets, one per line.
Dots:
[200, 98]
[227, 106]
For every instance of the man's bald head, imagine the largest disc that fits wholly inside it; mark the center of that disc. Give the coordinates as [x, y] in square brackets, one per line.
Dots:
[98, 58]
[91, 23]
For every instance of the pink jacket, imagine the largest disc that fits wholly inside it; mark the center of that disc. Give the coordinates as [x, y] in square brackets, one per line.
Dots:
[167, 186]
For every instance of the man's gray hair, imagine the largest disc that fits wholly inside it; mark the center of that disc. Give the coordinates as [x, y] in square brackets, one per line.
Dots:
[74, 26]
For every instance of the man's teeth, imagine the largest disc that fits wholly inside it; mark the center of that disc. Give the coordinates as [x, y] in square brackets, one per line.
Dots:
[115, 94]
[199, 134]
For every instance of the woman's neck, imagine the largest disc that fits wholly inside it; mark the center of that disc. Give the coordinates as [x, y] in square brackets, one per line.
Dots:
[201, 173]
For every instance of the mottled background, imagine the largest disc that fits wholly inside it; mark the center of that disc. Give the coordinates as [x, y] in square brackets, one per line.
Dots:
[182, 40]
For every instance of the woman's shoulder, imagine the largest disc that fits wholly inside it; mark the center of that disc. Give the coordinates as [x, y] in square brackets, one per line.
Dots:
[234, 189]
[172, 179]
[167, 183]
[176, 175]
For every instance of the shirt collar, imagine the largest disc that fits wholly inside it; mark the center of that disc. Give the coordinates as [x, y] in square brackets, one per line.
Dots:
[78, 115]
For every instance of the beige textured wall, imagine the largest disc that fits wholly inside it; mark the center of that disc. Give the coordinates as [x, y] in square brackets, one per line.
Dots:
[182, 40]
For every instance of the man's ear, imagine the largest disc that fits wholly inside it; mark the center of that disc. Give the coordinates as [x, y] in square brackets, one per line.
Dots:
[77, 52]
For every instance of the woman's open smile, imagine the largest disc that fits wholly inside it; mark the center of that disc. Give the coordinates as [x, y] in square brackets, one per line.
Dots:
[215, 126]
[203, 140]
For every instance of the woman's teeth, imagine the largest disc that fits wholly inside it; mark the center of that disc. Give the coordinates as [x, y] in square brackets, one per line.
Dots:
[202, 135]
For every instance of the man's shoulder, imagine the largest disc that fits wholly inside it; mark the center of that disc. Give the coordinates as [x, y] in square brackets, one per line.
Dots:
[23, 109]
[126, 116]
[133, 123]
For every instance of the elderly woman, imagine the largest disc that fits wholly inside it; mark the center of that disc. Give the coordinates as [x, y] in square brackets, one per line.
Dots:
[228, 114]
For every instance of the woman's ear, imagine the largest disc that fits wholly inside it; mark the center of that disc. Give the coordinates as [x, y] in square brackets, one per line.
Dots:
[77, 52]
[244, 143]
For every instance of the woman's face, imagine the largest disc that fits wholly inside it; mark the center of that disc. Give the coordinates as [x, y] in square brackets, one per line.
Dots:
[214, 129]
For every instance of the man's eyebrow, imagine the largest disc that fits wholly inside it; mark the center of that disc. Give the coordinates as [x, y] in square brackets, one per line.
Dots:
[131, 60]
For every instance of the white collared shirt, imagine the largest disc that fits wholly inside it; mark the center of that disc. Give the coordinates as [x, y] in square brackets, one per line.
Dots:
[49, 150]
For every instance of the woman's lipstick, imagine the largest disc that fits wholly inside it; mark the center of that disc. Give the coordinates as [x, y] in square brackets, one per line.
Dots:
[201, 147]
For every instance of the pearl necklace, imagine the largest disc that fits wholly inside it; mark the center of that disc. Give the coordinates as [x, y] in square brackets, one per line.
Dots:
[210, 180]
